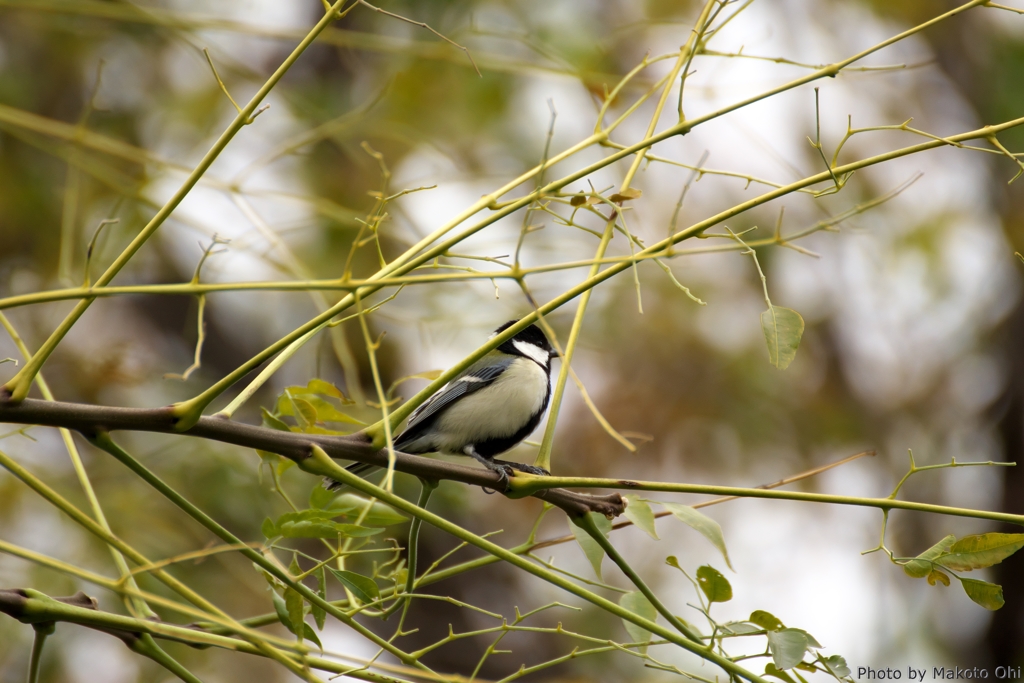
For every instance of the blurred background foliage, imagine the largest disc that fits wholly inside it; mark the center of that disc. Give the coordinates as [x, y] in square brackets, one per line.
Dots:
[915, 323]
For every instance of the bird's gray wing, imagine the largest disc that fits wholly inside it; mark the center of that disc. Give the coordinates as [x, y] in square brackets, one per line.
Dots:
[473, 380]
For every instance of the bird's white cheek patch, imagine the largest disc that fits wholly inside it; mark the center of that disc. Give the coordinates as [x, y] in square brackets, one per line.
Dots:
[532, 351]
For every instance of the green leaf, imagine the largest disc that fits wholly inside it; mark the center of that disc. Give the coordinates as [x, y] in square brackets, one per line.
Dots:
[811, 641]
[275, 463]
[316, 524]
[364, 588]
[293, 603]
[788, 646]
[766, 620]
[921, 566]
[988, 595]
[352, 505]
[270, 578]
[771, 670]
[282, 465]
[740, 627]
[703, 524]
[309, 634]
[639, 605]
[309, 514]
[673, 561]
[269, 529]
[326, 530]
[273, 422]
[320, 497]
[977, 552]
[319, 615]
[715, 586]
[782, 329]
[640, 513]
[936, 576]
[590, 547]
[282, 611]
[836, 665]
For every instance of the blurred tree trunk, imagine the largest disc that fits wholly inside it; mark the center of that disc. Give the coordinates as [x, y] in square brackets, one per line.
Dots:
[1006, 631]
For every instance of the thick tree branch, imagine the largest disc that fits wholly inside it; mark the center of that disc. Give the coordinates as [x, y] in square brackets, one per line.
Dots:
[90, 420]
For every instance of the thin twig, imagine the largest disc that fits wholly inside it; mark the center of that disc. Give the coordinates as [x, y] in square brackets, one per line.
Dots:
[426, 26]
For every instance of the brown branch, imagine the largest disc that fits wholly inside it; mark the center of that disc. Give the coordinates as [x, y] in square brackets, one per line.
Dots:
[89, 420]
[24, 605]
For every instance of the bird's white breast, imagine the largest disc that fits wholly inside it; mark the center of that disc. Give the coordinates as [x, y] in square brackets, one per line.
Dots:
[498, 410]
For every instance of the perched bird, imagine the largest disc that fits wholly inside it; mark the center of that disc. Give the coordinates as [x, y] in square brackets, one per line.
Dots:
[487, 409]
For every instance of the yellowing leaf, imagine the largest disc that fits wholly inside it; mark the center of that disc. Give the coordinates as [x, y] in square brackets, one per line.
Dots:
[923, 564]
[766, 620]
[988, 595]
[319, 386]
[783, 328]
[984, 550]
[626, 195]
[326, 412]
[936, 576]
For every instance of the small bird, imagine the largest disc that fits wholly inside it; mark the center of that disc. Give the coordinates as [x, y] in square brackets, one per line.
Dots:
[487, 409]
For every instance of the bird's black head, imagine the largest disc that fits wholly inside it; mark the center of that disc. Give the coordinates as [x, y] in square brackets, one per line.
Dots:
[529, 343]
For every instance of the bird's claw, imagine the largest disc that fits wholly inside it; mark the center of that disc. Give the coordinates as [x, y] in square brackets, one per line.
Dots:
[503, 472]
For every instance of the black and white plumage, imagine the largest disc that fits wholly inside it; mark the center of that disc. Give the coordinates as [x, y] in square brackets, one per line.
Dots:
[487, 409]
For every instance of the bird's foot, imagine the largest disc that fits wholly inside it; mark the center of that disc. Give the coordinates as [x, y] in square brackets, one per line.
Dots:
[504, 472]
[529, 469]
